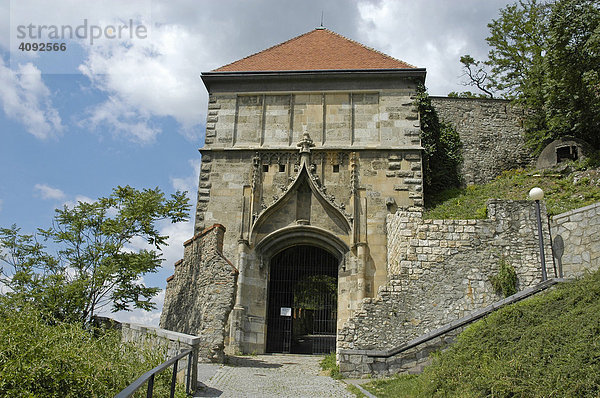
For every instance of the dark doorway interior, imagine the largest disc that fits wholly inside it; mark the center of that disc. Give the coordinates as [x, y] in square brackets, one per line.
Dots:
[566, 153]
[302, 312]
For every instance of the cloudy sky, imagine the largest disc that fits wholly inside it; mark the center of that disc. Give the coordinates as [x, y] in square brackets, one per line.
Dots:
[124, 104]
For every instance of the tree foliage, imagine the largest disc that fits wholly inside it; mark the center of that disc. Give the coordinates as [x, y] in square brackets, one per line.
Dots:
[94, 263]
[573, 63]
[441, 143]
[544, 55]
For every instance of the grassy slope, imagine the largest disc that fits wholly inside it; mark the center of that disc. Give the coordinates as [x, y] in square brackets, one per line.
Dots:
[563, 192]
[545, 346]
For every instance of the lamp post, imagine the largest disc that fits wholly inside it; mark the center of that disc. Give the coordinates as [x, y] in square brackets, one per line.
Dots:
[537, 194]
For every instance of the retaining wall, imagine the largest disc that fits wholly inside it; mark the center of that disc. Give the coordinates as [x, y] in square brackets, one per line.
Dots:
[440, 271]
[578, 232]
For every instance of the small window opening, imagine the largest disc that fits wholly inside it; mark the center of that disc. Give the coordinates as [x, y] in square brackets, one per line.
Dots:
[336, 168]
[281, 168]
[265, 168]
[566, 153]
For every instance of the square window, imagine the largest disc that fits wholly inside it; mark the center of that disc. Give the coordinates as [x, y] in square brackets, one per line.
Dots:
[281, 168]
[336, 168]
[265, 168]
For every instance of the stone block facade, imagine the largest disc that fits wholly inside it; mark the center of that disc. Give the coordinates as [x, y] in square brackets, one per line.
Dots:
[579, 234]
[440, 271]
[298, 161]
[491, 133]
[200, 294]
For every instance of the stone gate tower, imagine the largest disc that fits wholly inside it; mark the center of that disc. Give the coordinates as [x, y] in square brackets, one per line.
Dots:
[310, 144]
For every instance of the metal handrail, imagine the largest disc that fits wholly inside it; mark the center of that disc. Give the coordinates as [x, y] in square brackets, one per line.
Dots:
[149, 376]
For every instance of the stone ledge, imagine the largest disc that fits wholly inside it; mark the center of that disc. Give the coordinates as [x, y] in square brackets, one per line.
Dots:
[164, 333]
[576, 211]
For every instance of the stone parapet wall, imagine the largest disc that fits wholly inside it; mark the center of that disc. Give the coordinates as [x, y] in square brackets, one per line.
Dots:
[491, 133]
[579, 231]
[357, 363]
[440, 271]
[156, 338]
[200, 294]
[413, 355]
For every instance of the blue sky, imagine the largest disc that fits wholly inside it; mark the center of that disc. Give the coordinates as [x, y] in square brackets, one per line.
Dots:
[77, 123]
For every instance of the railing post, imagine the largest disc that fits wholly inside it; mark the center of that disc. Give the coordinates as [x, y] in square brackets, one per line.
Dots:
[189, 373]
[150, 387]
[174, 379]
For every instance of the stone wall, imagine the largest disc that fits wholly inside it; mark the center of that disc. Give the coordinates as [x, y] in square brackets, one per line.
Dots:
[440, 271]
[579, 231]
[413, 355]
[491, 133]
[200, 294]
[153, 337]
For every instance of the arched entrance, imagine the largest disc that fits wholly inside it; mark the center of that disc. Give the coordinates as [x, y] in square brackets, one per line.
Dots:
[302, 301]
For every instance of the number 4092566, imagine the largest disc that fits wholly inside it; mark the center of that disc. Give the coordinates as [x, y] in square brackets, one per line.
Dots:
[43, 46]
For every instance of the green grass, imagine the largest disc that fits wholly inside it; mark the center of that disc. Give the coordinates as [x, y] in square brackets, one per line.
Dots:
[355, 390]
[328, 363]
[561, 193]
[548, 345]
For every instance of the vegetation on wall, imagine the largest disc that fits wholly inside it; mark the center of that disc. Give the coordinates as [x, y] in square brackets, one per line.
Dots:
[442, 149]
[545, 346]
[505, 281]
[574, 185]
[544, 55]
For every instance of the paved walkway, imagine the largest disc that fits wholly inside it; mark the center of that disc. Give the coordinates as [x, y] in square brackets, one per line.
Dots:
[277, 375]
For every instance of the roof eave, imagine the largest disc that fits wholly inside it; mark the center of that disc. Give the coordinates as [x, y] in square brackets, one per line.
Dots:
[208, 78]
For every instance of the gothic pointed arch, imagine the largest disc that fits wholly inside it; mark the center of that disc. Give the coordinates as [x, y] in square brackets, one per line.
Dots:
[304, 203]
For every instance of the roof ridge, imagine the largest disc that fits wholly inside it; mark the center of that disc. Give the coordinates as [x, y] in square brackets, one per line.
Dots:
[365, 46]
[265, 50]
[305, 52]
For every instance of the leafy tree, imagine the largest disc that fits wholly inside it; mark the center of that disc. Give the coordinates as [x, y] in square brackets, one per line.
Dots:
[477, 76]
[573, 68]
[517, 44]
[544, 55]
[94, 264]
[466, 94]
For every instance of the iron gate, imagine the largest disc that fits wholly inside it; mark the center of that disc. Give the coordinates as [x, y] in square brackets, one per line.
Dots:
[302, 312]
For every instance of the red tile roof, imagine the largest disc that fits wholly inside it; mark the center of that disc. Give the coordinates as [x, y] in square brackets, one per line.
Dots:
[319, 49]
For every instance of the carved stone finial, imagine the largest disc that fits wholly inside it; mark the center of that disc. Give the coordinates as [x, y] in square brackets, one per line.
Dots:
[305, 143]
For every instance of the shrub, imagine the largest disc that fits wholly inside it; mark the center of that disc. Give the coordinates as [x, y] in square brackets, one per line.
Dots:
[64, 360]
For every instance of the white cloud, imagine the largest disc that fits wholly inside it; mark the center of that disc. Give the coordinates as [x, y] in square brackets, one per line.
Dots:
[26, 99]
[47, 192]
[189, 183]
[150, 318]
[78, 198]
[430, 34]
[157, 77]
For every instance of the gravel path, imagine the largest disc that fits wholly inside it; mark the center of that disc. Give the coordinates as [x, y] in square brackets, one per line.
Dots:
[267, 376]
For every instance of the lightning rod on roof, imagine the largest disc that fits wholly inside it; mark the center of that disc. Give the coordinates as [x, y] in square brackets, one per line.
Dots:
[321, 20]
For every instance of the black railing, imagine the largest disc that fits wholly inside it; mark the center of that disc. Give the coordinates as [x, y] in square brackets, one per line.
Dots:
[149, 377]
